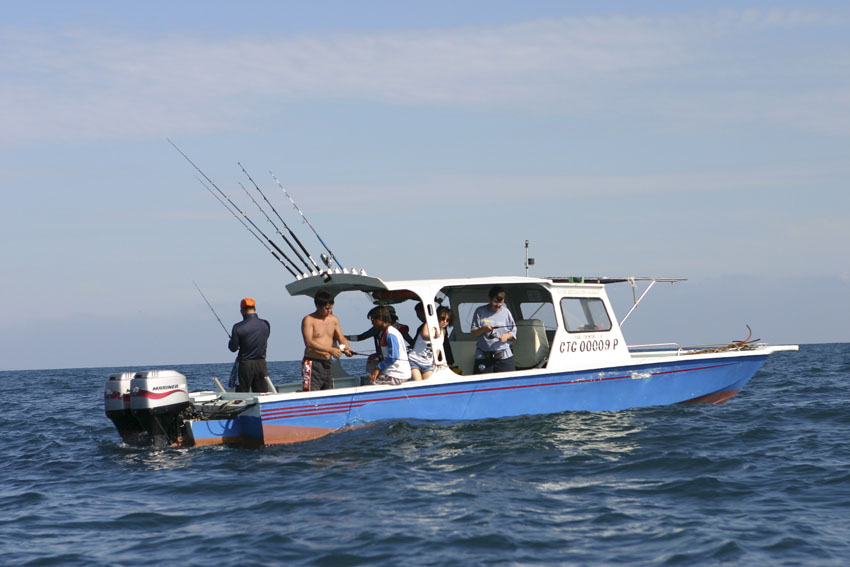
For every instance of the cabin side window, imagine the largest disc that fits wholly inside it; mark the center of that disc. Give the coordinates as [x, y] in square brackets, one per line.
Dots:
[585, 314]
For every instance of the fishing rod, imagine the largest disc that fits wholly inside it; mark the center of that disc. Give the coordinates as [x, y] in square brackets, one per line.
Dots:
[234, 370]
[248, 228]
[332, 255]
[275, 226]
[244, 215]
[286, 226]
[211, 308]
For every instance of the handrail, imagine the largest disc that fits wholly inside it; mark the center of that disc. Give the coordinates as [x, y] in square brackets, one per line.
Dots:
[679, 347]
[693, 349]
[637, 300]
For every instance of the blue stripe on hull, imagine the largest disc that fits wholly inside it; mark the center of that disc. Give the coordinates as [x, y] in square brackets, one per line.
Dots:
[608, 390]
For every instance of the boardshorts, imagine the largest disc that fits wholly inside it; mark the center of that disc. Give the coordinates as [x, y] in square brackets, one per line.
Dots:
[316, 375]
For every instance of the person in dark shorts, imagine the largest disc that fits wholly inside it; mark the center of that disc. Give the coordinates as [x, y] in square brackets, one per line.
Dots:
[320, 330]
[316, 375]
[250, 337]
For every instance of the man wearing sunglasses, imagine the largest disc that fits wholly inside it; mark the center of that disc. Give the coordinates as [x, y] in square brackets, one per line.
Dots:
[493, 325]
[320, 330]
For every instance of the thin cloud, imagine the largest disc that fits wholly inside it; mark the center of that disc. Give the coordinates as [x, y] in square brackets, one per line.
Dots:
[89, 84]
[467, 190]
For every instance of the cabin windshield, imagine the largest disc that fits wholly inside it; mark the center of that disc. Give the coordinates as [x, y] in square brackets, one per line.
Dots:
[533, 311]
[525, 302]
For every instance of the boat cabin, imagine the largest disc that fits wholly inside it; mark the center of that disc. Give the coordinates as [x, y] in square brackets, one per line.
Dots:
[562, 324]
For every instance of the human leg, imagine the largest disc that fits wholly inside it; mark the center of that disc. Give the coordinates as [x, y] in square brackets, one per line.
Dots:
[504, 365]
[322, 376]
[252, 376]
[483, 366]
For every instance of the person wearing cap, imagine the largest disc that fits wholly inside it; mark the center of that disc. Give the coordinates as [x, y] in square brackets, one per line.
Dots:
[321, 331]
[250, 337]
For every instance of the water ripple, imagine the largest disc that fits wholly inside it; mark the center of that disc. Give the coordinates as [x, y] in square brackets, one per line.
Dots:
[761, 480]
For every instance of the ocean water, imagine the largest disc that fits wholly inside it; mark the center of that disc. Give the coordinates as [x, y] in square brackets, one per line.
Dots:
[762, 480]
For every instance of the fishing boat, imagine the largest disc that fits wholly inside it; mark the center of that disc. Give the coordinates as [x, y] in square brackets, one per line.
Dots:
[569, 350]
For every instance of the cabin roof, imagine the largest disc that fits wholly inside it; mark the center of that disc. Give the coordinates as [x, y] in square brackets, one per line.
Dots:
[336, 283]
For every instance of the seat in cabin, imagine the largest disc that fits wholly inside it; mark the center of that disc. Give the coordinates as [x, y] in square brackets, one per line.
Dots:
[531, 348]
[464, 354]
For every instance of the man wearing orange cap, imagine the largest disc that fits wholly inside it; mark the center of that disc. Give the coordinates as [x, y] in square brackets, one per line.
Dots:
[250, 337]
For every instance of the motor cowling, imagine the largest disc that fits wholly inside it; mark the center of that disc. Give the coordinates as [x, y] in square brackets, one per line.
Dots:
[116, 402]
[157, 397]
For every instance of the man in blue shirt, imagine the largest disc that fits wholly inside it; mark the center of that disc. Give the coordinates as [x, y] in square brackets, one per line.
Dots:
[250, 337]
[494, 325]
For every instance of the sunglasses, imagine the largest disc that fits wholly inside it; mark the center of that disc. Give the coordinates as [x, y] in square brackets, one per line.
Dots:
[498, 299]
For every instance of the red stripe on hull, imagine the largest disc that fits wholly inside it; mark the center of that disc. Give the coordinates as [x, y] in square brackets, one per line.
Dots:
[309, 409]
[715, 398]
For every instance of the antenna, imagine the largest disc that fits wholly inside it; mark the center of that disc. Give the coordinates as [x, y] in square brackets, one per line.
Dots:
[528, 261]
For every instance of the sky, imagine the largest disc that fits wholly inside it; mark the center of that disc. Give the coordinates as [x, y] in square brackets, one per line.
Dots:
[709, 141]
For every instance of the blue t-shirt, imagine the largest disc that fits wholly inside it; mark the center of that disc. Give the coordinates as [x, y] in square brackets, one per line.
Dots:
[504, 323]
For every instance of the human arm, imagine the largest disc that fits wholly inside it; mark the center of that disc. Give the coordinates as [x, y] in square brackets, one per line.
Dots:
[510, 325]
[363, 336]
[233, 345]
[480, 326]
[483, 330]
[342, 340]
[506, 325]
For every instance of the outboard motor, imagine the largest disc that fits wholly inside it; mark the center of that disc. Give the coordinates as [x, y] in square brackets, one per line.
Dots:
[156, 399]
[116, 401]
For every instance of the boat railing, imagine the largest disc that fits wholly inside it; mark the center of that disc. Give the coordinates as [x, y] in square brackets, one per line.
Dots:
[655, 348]
[679, 350]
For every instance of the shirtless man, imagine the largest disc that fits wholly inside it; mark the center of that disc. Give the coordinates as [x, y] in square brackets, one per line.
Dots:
[320, 329]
